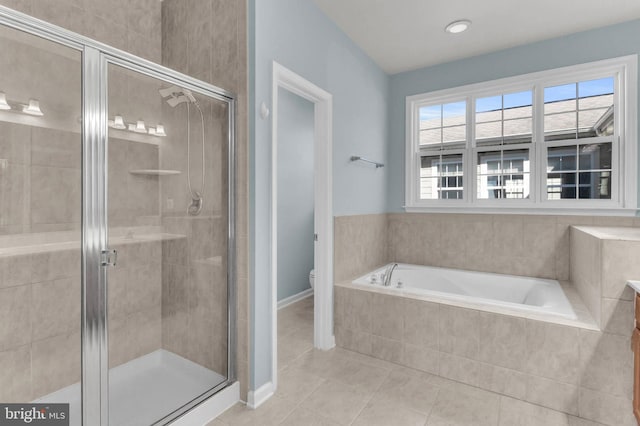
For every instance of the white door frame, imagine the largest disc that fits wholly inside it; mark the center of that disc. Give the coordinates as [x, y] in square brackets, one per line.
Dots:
[323, 337]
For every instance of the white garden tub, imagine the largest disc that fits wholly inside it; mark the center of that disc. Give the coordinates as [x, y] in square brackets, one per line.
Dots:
[478, 289]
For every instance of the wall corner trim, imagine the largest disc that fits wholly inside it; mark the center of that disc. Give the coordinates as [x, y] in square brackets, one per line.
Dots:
[261, 395]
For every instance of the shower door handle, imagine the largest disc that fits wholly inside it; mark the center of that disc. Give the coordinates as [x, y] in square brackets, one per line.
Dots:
[109, 257]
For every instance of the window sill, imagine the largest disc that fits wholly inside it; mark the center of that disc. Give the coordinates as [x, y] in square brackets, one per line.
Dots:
[529, 210]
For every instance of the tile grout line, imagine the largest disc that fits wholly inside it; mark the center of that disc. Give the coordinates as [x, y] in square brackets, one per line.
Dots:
[372, 395]
[299, 404]
[433, 406]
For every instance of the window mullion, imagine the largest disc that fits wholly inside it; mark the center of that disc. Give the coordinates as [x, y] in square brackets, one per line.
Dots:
[469, 171]
[539, 168]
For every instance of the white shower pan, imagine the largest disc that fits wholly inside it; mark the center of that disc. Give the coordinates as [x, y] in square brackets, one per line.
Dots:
[141, 390]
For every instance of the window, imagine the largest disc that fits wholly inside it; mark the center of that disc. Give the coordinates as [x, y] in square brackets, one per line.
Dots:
[443, 132]
[579, 127]
[554, 139]
[441, 177]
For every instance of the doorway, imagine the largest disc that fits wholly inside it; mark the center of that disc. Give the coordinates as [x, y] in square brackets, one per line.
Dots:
[295, 225]
[286, 80]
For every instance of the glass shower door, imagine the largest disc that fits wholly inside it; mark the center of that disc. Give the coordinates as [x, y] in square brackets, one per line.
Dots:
[40, 219]
[167, 220]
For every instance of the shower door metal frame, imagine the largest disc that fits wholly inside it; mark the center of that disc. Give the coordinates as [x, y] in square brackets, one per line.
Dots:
[95, 59]
[143, 67]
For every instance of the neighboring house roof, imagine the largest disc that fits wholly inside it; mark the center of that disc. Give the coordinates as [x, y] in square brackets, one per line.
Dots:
[594, 117]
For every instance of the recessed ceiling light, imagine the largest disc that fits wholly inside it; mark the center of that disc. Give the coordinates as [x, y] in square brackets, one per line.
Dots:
[458, 26]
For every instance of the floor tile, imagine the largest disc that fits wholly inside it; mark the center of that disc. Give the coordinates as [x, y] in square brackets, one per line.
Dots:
[337, 401]
[291, 348]
[324, 364]
[381, 413]
[301, 417]
[297, 384]
[216, 422]
[366, 359]
[514, 412]
[272, 412]
[462, 405]
[577, 421]
[366, 377]
[405, 391]
[340, 387]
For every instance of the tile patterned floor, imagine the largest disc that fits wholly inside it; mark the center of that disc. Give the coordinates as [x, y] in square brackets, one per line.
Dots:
[340, 387]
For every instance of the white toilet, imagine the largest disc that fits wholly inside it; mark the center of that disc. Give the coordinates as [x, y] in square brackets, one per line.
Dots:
[312, 278]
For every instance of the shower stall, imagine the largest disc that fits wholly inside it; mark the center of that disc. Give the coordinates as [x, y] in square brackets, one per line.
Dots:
[117, 240]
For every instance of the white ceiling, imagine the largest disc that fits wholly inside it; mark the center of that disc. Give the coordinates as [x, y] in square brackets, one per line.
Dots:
[402, 35]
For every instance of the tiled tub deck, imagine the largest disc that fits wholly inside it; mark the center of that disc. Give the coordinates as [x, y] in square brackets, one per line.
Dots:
[575, 369]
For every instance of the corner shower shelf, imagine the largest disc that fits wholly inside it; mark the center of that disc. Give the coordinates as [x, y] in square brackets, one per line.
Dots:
[155, 172]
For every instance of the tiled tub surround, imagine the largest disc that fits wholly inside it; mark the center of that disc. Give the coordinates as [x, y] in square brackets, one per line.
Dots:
[572, 369]
[603, 259]
[360, 244]
[528, 245]
[40, 306]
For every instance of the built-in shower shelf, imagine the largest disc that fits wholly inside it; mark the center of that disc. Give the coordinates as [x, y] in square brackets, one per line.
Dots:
[155, 172]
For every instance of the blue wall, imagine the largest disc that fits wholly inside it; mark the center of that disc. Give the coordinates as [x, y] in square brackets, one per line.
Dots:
[296, 34]
[295, 193]
[603, 43]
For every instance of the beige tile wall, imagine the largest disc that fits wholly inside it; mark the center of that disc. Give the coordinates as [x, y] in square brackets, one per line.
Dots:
[577, 371]
[360, 244]
[40, 156]
[208, 39]
[528, 245]
[135, 301]
[586, 270]
[40, 316]
[600, 269]
[194, 292]
[130, 25]
[42, 193]
[40, 187]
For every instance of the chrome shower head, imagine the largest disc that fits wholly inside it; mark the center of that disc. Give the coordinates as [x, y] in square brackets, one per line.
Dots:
[177, 95]
[173, 101]
[169, 91]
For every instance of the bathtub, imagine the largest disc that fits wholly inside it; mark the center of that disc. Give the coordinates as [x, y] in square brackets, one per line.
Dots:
[474, 289]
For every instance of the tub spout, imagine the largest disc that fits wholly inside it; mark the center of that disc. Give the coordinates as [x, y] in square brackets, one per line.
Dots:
[388, 273]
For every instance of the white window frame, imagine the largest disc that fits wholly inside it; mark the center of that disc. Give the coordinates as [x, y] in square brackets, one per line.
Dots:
[624, 156]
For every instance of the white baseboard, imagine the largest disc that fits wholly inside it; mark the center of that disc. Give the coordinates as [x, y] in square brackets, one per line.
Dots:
[332, 341]
[295, 298]
[259, 396]
[211, 408]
